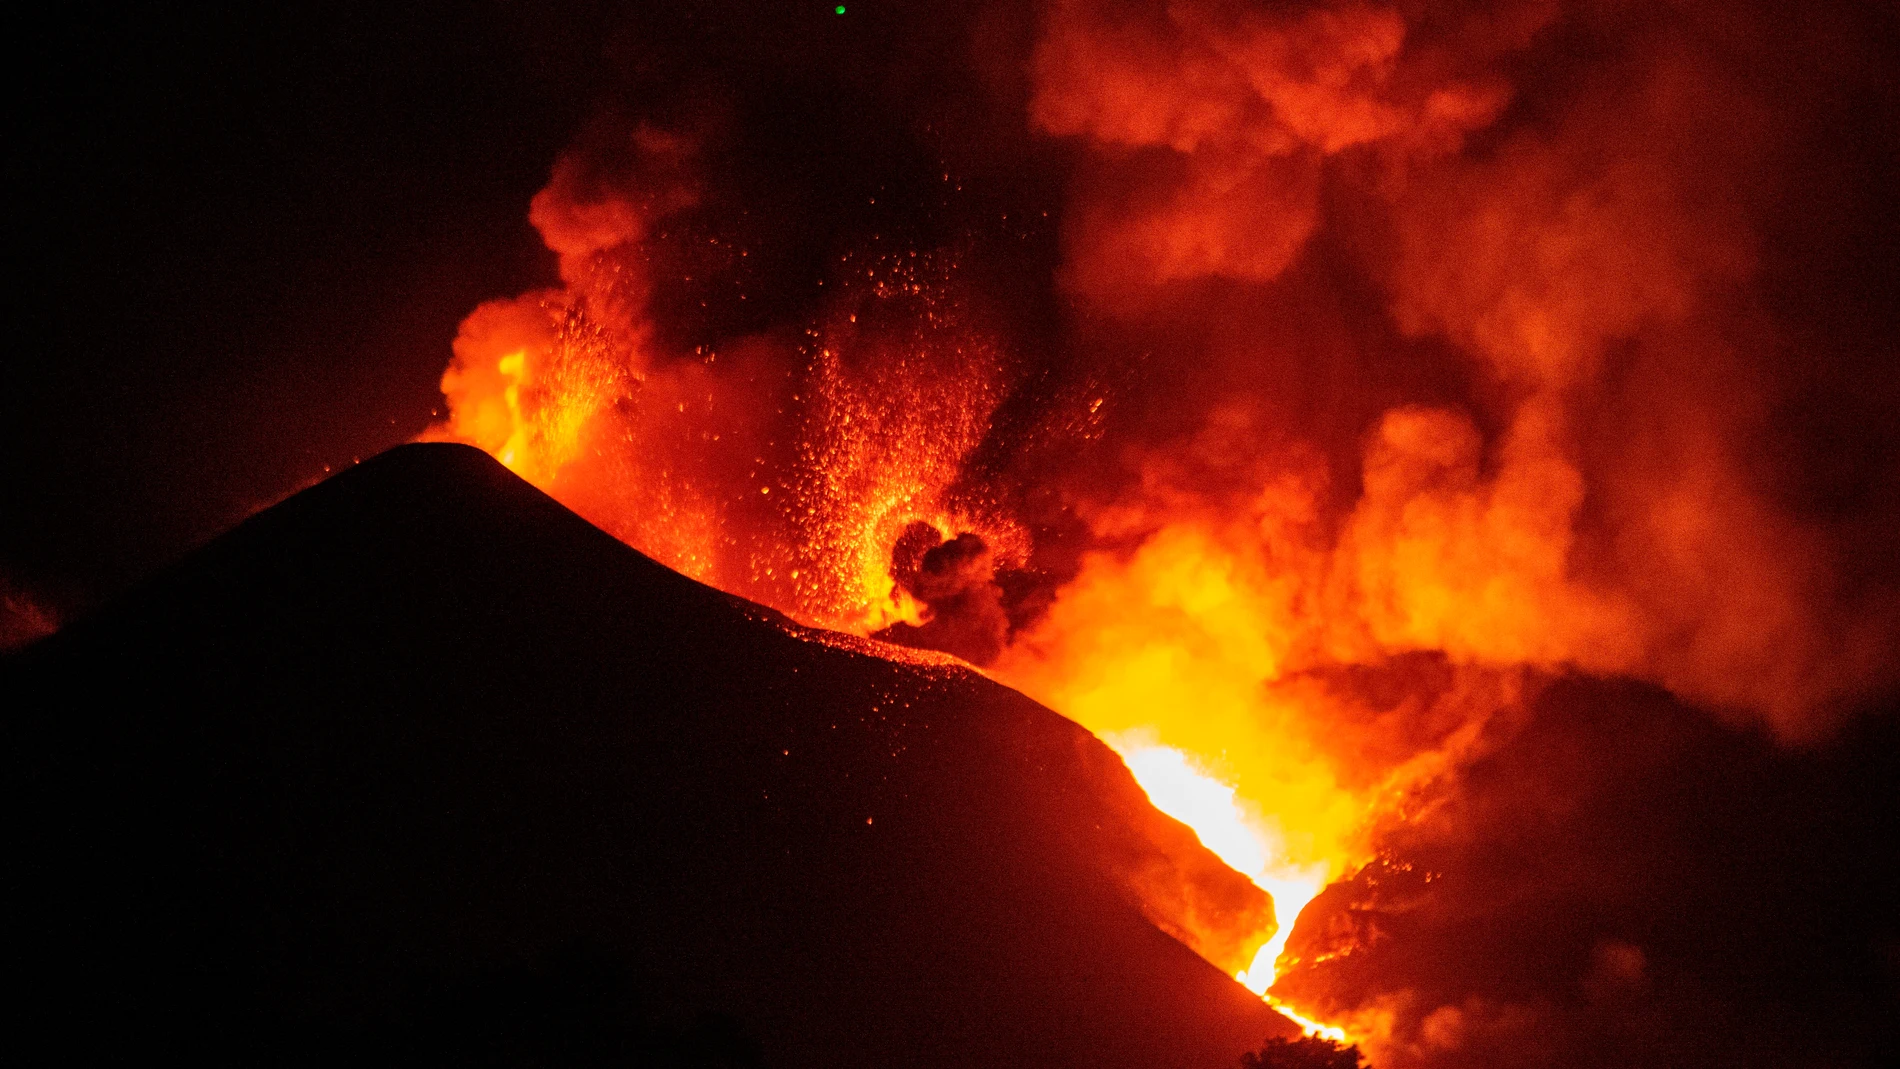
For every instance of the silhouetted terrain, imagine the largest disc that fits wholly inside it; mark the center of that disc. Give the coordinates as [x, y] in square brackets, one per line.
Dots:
[420, 767]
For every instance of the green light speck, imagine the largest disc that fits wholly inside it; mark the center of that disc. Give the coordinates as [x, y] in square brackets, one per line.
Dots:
[839, 9]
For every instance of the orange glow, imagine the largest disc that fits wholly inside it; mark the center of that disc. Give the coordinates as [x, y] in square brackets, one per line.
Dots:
[1308, 1025]
[524, 383]
[1250, 842]
[796, 496]
[1518, 441]
[886, 430]
[1166, 656]
[1186, 652]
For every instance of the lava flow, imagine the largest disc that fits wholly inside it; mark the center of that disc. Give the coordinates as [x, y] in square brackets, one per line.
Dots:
[1285, 393]
[1248, 844]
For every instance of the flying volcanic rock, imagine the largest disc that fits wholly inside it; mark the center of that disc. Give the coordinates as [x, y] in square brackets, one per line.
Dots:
[420, 767]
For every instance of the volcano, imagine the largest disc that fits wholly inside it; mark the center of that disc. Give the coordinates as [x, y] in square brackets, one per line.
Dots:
[418, 766]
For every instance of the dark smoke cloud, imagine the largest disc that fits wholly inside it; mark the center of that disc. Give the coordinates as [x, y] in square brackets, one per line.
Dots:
[955, 580]
[1621, 881]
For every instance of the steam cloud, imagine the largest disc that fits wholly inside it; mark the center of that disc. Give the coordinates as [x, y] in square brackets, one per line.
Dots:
[1376, 364]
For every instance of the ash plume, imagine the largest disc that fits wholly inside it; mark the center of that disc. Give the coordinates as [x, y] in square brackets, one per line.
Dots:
[955, 581]
[1587, 242]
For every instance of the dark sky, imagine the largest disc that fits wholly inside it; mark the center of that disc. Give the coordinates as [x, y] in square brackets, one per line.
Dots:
[241, 241]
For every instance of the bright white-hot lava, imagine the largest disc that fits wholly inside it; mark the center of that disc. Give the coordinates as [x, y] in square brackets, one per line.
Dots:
[1247, 842]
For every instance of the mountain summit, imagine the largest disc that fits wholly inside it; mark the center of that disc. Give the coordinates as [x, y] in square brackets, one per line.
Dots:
[418, 766]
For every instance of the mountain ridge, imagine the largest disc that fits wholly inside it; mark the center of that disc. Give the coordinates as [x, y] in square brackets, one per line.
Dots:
[417, 762]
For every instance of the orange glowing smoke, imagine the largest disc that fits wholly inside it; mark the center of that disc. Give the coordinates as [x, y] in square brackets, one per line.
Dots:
[1290, 625]
[1192, 655]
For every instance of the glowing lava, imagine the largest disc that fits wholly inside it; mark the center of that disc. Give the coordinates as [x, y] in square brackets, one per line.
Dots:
[1248, 842]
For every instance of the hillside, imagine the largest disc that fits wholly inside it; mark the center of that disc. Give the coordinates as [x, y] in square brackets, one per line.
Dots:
[418, 766]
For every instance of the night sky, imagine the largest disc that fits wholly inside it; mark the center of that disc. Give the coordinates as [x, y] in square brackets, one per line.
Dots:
[242, 240]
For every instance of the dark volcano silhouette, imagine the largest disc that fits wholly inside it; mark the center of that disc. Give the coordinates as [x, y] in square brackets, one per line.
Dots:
[420, 767]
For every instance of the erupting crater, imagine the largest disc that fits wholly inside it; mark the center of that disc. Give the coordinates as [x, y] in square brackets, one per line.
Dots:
[1288, 394]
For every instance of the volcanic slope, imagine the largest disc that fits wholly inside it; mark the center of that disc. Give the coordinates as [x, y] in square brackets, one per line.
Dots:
[420, 767]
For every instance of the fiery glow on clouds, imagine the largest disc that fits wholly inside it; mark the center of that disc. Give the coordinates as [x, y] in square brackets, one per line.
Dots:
[1447, 377]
